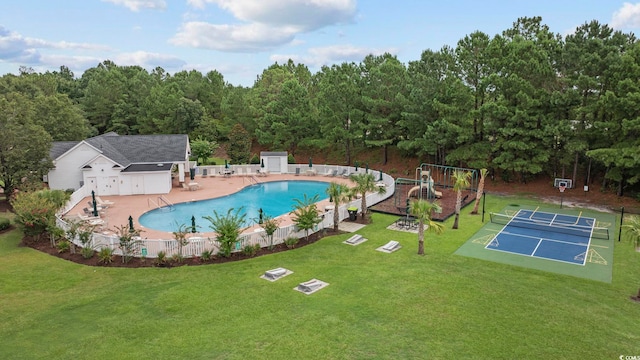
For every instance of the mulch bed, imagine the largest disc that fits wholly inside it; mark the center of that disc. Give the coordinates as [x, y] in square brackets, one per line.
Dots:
[396, 204]
[45, 247]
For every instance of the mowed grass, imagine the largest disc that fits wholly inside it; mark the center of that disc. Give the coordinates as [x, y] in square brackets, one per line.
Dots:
[377, 306]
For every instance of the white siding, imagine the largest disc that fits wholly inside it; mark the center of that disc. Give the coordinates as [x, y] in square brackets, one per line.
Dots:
[68, 173]
[145, 183]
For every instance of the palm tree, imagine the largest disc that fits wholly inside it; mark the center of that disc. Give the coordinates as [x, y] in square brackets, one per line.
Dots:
[422, 210]
[306, 214]
[633, 231]
[483, 176]
[461, 181]
[228, 228]
[339, 193]
[366, 183]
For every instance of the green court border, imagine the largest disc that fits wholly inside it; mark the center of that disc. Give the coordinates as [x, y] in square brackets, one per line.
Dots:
[599, 265]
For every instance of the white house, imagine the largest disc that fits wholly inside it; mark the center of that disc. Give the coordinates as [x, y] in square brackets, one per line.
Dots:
[111, 164]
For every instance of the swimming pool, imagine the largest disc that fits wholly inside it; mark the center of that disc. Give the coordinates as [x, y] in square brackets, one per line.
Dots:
[274, 198]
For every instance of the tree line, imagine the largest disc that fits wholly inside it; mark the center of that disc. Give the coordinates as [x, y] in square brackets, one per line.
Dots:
[521, 103]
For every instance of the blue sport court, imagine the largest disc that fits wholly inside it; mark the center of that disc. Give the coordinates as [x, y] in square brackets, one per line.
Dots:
[546, 235]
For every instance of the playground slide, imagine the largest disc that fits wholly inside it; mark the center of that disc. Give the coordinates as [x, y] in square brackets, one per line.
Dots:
[437, 194]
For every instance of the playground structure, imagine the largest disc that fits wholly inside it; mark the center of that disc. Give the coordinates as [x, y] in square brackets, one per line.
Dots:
[434, 182]
[426, 188]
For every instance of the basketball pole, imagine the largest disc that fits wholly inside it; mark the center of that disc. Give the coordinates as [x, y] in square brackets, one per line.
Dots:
[621, 219]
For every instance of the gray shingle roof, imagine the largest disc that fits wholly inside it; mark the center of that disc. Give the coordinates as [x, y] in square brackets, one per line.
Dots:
[130, 149]
[148, 167]
[60, 147]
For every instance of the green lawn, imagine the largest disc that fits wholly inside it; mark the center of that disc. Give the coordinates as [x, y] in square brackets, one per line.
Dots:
[381, 306]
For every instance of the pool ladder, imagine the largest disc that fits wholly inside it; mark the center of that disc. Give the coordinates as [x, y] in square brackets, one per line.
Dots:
[252, 180]
[162, 203]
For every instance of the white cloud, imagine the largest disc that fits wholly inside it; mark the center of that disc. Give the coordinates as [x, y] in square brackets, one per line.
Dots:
[15, 48]
[327, 55]
[234, 38]
[305, 14]
[628, 16]
[265, 24]
[148, 60]
[137, 5]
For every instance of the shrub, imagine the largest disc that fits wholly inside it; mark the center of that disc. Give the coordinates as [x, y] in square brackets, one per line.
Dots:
[4, 223]
[291, 159]
[161, 258]
[63, 246]
[291, 242]
[105, 255]
[87, 252]
[251, 250]
[35, 212]
[255, 159]
[177, 258]
[206, 255]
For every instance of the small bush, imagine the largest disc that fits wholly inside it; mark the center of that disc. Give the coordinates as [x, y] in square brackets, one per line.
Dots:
[63, 246]
[177, 258]
[206, 255]
[161, 258]
[251, 250]
[87, 252]
[105, 255]
[291, 242]
[291, 159]
[4, 223]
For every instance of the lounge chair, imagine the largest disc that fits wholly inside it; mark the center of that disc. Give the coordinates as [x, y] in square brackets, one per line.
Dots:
[331, 173]
[91, 220]
[344, 173]
[104, 203]
[98, 207]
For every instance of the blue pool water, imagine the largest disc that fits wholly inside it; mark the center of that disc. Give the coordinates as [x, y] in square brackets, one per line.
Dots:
[275, 198]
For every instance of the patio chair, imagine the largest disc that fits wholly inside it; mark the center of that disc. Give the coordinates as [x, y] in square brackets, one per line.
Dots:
[344, 173]
[331, 173]
[297, 171]
[98, 207]
[104, 203]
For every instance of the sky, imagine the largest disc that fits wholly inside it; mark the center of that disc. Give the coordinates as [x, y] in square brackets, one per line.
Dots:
[241, 38]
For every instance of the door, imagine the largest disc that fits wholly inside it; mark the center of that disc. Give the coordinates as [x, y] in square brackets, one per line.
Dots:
[273, 164]
[114, 189]
[137, 184]
[92, 183]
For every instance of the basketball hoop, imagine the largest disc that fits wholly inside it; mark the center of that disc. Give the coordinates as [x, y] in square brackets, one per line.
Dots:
[562, 188]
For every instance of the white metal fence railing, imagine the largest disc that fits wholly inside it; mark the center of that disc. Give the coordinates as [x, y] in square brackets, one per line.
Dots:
[197, 245]
[75, 199]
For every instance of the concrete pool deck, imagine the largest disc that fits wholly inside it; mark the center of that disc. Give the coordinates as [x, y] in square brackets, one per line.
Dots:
[209, 187]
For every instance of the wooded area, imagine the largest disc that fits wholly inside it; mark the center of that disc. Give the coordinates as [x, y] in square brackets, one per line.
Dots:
[521, 103]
